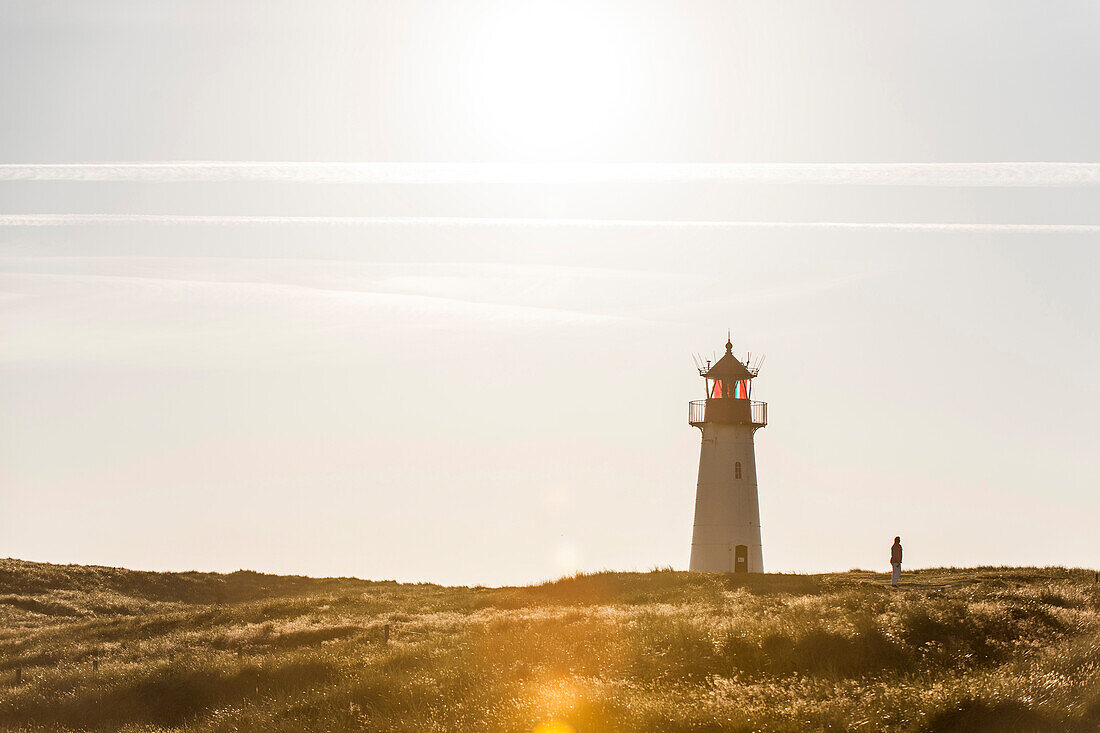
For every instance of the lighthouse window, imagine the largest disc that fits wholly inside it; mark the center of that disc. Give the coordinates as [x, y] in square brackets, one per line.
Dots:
[737, 470]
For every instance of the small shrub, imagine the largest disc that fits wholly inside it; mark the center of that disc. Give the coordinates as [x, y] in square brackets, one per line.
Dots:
[978, 716]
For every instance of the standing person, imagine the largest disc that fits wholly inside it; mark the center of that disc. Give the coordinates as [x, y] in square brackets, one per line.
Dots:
[895, 561]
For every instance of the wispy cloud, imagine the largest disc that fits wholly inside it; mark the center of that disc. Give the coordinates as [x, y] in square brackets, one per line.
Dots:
[74, 318]
[213, 297]
[51, 220]
[875, 174]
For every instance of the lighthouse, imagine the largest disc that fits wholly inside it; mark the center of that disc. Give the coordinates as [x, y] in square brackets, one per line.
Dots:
[726, 536]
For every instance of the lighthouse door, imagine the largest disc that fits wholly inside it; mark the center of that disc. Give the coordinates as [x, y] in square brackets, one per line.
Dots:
[741, 559]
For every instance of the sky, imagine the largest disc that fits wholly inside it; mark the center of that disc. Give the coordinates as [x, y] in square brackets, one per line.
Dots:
[411, 290]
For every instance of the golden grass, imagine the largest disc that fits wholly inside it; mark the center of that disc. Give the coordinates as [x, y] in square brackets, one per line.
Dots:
[1004, 649]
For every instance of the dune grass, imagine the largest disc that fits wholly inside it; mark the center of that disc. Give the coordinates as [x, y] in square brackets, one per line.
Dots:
[104, 649]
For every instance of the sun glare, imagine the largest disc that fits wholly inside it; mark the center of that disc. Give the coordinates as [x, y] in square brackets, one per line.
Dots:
[553, 726]
[549, 80]
[567, 557]
[556, 700]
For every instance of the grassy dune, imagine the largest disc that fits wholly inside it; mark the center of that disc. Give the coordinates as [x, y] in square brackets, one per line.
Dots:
[998, 649]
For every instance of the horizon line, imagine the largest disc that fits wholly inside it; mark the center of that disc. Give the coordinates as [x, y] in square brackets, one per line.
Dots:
[987, 174]
[59, 220]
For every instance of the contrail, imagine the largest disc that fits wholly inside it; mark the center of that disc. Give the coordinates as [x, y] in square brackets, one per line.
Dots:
[1034, 174]
[451, 222]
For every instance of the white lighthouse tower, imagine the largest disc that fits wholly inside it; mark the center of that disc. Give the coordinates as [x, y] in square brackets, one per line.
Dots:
[726, 538]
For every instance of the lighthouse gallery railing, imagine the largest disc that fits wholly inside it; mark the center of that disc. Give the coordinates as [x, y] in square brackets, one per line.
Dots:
[697, 412]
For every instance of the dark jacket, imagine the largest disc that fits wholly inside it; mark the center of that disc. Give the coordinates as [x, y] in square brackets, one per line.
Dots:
[895, 553]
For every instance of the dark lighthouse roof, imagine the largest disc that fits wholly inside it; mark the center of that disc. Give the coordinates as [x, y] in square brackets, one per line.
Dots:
[729, 368]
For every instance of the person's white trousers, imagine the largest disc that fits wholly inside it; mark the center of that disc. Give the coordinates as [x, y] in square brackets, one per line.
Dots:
[896, 574]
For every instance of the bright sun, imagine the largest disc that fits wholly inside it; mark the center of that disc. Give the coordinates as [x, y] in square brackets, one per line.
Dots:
[550, 80]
